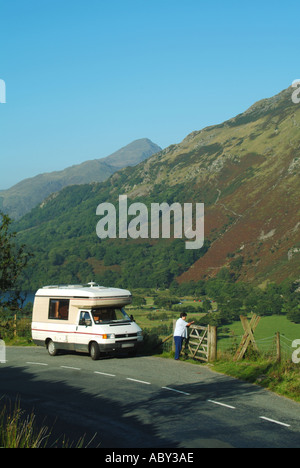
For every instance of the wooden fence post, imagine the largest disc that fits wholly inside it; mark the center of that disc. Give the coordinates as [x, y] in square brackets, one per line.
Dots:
[248, 336]
[15, 325]
[278, 347]
[212, 343]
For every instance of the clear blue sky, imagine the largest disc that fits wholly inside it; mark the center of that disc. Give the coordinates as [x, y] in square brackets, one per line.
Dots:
[86, 77]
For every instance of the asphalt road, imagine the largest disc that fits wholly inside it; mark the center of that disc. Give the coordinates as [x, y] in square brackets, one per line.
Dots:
[146, 402]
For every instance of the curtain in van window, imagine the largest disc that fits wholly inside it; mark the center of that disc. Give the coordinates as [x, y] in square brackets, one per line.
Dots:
[59, 309]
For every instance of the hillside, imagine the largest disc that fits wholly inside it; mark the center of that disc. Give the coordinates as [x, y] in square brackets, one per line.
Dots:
[22, 197]
[245, 170]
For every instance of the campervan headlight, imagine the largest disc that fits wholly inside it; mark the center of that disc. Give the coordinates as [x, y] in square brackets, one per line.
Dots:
[110, 336]
[140, 333]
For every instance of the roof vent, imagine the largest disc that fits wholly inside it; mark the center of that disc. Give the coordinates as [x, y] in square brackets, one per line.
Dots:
[92, 284]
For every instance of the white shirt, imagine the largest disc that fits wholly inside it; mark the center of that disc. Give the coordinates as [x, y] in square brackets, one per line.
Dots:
[181, 328]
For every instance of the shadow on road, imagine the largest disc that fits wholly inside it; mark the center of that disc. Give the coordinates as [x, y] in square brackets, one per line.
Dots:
[71, 413]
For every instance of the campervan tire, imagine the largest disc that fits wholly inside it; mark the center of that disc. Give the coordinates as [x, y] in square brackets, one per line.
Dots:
[52, 350]
[94, 351]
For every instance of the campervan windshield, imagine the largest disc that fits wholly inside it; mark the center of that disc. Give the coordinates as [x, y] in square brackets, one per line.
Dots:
[109, 315]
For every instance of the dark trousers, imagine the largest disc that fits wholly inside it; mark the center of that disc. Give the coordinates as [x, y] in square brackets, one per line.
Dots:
[178, 346]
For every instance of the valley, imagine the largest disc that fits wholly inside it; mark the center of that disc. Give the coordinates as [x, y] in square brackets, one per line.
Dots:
[245, 171]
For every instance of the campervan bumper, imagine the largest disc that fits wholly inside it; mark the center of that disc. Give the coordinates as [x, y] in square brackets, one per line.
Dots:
[128, 345]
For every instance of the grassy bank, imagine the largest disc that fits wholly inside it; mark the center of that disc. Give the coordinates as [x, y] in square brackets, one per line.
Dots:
[281, 378]
[19, 430]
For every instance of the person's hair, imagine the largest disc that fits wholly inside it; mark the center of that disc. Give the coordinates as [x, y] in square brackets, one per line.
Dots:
[183, 314]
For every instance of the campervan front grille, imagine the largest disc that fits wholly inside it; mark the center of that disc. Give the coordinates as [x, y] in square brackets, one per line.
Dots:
[126, 335]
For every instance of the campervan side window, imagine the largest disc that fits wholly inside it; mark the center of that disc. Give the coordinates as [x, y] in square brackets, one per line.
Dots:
[59, 309]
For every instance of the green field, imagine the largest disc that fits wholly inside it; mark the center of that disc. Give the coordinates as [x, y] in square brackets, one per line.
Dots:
[268, 326]
[264, 334]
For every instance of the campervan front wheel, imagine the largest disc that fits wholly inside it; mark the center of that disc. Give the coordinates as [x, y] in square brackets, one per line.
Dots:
[52, 350]
[94, 351]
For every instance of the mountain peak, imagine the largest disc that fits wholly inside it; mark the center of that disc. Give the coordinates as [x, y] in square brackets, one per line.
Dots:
[22, 197]
[132, 154]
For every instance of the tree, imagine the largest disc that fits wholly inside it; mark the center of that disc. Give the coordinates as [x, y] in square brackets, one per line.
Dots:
[206, 306]
[138, 301]
[293, 314]
[13, 259]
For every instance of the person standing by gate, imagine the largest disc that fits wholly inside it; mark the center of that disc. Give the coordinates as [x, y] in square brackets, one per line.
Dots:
[180, 333]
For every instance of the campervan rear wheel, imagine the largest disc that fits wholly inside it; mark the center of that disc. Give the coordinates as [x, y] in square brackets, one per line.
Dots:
[94, 351]
[52, 350]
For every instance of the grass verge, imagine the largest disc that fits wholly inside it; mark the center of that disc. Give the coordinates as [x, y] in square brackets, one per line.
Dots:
[281, 378]
[18, 430]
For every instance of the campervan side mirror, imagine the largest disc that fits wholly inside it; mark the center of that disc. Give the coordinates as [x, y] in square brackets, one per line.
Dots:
[85, 322]
[132, 318]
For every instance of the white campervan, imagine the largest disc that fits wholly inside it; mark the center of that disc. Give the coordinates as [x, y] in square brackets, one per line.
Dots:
[88, 318]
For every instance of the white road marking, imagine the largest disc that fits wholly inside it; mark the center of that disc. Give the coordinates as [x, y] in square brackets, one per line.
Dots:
[221, 404]
[139, 381]
[274, 421]
[37, 363]
[67, 367]
[104, 373]
[177, 391]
